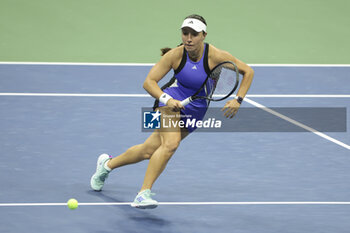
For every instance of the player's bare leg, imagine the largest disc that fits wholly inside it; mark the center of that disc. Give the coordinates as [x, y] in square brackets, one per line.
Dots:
[137, 153]
[132, 155]
[170, 140]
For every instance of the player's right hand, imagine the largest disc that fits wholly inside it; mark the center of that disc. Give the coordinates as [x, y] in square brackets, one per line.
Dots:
[175, 105]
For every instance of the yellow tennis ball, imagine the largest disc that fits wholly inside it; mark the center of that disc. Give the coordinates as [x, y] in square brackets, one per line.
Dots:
[72, 204]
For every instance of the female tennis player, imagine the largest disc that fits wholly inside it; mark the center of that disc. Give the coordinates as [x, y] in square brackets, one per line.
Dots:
[191, 62]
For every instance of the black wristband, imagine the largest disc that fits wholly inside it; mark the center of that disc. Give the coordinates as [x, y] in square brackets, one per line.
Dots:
[239, 100]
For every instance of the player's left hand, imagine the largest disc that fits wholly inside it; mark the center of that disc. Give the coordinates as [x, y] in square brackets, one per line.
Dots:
[231, 107]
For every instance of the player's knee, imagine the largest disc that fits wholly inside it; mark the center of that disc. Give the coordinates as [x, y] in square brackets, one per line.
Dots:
[171, 145]
[148, 150]
[147, 156]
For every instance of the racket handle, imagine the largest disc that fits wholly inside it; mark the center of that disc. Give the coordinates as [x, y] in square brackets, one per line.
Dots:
[186, 101]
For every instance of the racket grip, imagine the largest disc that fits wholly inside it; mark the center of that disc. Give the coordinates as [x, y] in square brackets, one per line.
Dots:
[186, 101]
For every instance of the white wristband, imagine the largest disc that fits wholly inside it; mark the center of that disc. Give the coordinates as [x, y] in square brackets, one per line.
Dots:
[164, 98]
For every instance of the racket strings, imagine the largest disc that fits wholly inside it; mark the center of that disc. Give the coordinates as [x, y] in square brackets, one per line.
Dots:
[223, 81]
[212, 81]
[226, 81]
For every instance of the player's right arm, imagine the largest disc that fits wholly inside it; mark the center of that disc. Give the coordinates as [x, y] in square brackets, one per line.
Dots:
[169, 61]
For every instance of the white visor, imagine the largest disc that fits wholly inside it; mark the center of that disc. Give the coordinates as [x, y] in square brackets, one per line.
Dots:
[195, 24]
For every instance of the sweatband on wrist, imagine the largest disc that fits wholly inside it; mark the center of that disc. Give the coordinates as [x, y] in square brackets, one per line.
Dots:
[164, 98]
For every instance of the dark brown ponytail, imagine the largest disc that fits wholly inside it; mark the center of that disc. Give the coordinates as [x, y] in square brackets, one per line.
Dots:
[164, 50]
[167, 49]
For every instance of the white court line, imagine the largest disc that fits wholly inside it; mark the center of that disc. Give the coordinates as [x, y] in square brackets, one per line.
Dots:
[179, 203]
[294, 122]
[74, 95]
[297, 96]
[300, 65]
[147, 95]
[152, 64]
[76, 63]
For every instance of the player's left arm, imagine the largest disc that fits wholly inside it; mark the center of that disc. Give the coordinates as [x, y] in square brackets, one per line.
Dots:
[231, 107]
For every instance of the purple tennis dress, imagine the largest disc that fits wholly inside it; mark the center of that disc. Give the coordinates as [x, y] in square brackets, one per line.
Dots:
[188, 78]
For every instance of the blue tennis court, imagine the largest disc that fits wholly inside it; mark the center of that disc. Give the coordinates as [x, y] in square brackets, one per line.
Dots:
[55, 120]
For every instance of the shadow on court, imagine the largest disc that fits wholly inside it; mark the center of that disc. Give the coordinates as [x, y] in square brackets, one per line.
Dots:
[136, 219]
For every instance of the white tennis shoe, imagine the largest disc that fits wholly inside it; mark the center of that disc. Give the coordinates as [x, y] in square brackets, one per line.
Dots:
[143, 200]
[98, 179]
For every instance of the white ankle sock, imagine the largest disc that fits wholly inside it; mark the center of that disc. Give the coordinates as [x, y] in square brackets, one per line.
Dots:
[106, 166]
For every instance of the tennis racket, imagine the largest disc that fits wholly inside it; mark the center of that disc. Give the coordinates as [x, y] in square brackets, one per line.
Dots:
[220, 84]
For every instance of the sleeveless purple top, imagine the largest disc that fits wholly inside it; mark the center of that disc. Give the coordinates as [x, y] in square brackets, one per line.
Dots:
[188, 78]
